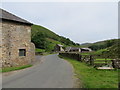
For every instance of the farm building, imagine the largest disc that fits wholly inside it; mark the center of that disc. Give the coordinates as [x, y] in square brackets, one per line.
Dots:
[77, 49]
[58, 48]
[15, 41]
[73, 49]
[86, 50]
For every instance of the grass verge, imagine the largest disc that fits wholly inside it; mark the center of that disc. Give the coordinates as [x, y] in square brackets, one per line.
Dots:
[8, 69]
[93, 78]
[39, 50]
[103, 59]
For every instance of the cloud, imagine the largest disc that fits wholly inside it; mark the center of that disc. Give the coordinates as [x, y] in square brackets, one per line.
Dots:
[60, 1]
[81, 22]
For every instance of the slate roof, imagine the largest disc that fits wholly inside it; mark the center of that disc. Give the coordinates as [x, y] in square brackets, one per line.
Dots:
[72, 48]
[67, 48]
[86, 49]
[4, 15]
[76, 48]
[60, 45]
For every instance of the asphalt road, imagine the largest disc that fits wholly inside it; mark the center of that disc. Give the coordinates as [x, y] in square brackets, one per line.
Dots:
[50, 72]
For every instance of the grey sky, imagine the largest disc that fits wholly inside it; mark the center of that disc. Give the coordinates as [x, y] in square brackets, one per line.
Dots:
[81, 22]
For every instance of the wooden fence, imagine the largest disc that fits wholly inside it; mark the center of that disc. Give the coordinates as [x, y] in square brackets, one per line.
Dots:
[92, 60]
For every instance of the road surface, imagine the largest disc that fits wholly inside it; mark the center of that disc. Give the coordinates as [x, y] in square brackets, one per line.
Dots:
[50, 72]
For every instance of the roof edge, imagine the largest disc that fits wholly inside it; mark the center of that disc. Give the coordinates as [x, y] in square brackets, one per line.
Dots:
[11, 17]
[16, 21]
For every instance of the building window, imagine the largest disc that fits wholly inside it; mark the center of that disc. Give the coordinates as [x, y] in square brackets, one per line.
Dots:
[22, 52]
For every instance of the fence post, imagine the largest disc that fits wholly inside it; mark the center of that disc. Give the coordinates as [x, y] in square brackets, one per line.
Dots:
[82, 57]
[91, 60]
[113, 63]
[79, 57]
[116, 64]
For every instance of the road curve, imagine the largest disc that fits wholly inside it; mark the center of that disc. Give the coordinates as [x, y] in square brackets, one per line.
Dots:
[51, 72]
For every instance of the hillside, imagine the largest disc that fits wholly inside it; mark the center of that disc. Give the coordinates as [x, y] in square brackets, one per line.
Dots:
[85, 44]
[47, 32]
[106, 48]
[99, 43]
[44, 38]
[114, 50]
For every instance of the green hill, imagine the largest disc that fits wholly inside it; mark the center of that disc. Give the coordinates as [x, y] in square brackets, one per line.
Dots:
[103, 44]
[45, 31]
[106, 48]
[44, 38]
[114, 50]
[97, 44]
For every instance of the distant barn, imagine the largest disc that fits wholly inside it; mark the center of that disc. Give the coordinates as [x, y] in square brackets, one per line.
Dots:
[58, 48]
[15, 41]
[73, 49]
[77, 49]
[86, 50]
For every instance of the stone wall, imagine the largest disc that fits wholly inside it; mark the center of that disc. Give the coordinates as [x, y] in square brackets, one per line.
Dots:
[116, 64]
[16, 36]
[32, 50]
[0, 43]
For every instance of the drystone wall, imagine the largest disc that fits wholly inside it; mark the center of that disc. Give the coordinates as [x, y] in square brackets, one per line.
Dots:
[0, 43]
[16, 36]
[32, 50]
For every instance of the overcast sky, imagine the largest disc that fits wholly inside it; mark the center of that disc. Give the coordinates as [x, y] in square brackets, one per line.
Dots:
[80, 21]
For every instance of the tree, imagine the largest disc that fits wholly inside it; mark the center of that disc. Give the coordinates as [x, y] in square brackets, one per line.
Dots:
[77, 44]
[110, 43]
[39, 40]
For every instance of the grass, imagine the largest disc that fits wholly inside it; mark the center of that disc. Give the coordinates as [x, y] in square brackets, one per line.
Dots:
[43, 52]
[103, 59]
[98, 58]
[54, 41]
[8, 69]
[86, 53]
[39, 50]
[93, 78]
[98, 52]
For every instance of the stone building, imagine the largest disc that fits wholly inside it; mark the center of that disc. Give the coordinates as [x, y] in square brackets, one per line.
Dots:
[86, 50]
[77, 49]
[73, 49]
[16, 48]
[58, 48]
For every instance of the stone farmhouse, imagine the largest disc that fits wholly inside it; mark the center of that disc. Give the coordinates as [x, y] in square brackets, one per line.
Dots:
[73, 49]
[86, 50]
[58, 48]
[16, 48]
[77, 49]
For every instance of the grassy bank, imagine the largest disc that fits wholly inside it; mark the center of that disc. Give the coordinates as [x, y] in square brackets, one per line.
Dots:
[39, 50]
[93, 78]
[8, 69]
